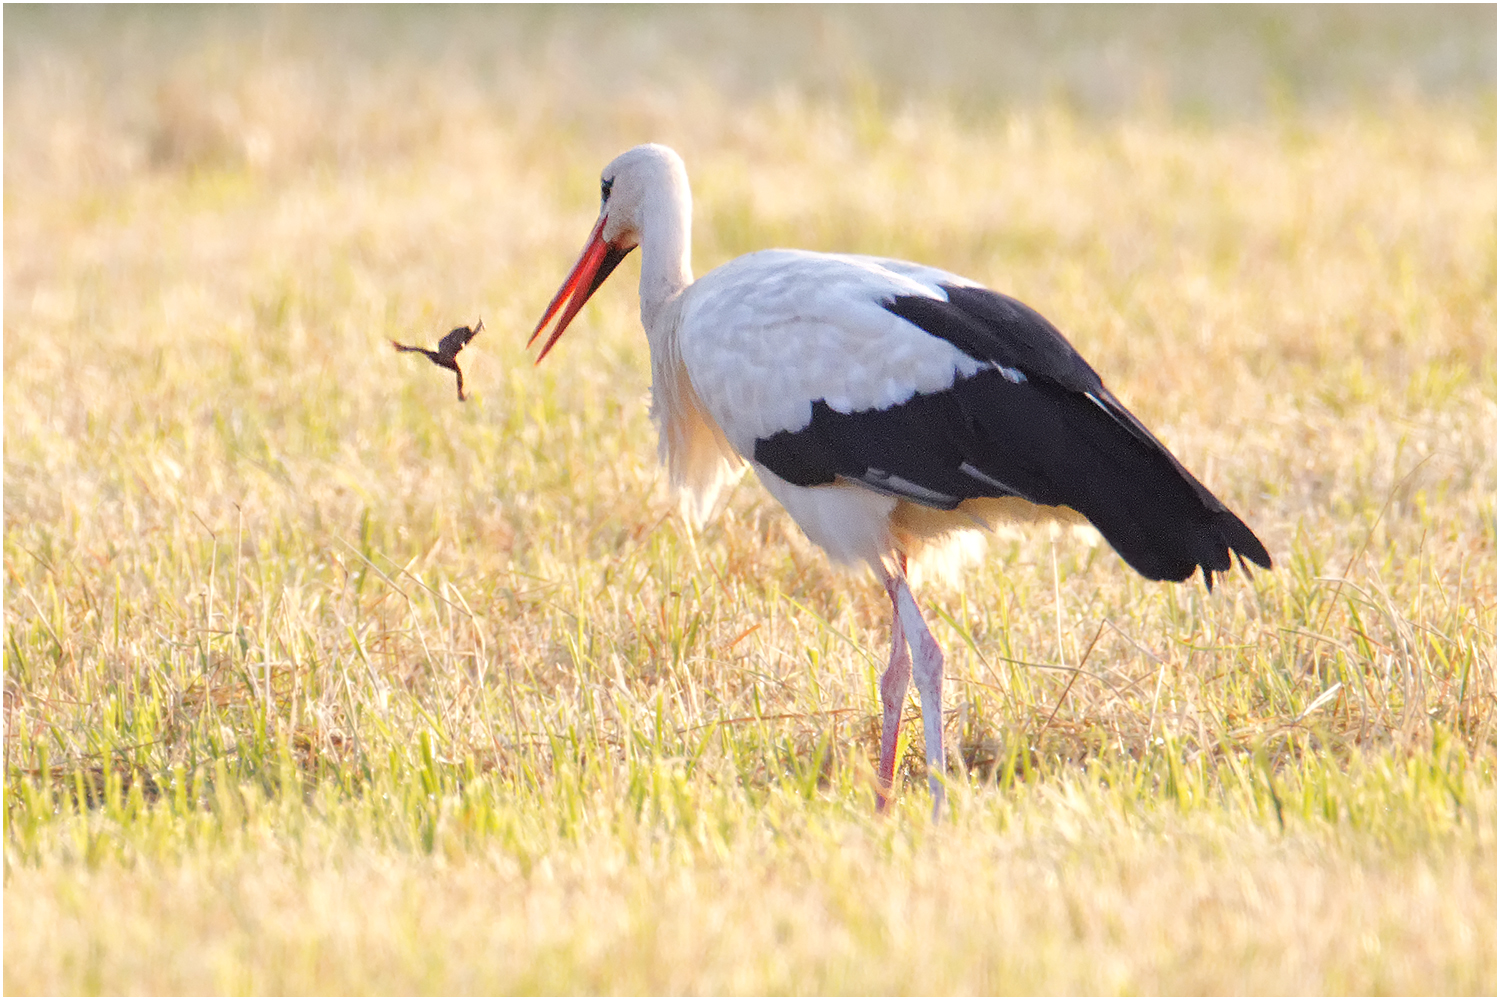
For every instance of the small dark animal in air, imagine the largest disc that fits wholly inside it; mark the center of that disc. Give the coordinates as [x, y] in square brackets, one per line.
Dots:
[446, 356]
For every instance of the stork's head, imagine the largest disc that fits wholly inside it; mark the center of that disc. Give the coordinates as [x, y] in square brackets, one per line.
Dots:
[639, 187]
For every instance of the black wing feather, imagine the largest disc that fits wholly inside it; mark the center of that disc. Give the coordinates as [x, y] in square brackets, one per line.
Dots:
[1053, 436]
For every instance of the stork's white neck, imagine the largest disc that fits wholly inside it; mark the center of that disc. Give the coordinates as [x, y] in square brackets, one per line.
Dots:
[691, 443]
[666, 254]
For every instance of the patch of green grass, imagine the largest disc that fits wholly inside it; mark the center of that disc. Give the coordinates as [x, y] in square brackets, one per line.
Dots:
[669, 874]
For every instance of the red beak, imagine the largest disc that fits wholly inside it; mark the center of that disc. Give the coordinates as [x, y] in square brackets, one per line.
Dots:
[597, 261]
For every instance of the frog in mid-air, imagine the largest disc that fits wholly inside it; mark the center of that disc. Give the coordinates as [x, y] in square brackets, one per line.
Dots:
[446, 355]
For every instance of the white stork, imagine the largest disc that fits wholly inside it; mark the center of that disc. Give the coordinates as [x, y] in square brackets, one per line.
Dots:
[886, 405]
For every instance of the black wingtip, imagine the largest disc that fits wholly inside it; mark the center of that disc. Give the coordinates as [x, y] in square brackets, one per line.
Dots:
[1242, 541]
[1241, 544]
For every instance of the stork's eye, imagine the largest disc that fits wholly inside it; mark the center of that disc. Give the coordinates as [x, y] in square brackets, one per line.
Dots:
[604, 187]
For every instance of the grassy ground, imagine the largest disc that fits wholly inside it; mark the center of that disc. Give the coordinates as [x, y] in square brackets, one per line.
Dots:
[317, 680]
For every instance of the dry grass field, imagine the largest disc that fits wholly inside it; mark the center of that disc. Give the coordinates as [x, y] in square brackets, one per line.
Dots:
[320, 681]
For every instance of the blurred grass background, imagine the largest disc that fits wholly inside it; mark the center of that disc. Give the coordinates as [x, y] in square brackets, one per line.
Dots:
[319, 681]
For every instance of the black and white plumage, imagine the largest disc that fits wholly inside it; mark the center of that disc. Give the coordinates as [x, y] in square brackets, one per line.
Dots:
[1035, 423]
[886, 405]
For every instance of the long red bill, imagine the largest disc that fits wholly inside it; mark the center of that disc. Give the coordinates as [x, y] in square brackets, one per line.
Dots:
[594, 265]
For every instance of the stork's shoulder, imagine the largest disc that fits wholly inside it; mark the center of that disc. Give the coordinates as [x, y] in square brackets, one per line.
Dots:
[768, 277]
[851, 297]
[767, 334]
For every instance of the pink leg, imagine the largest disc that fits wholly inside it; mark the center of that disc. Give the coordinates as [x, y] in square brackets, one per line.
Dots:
[927, 671]
[892, 699]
